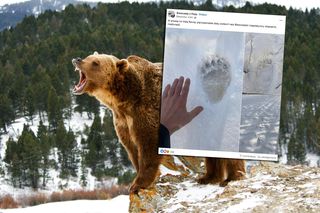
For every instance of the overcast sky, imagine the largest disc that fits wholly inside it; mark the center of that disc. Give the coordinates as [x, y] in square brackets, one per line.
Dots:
[299, 4]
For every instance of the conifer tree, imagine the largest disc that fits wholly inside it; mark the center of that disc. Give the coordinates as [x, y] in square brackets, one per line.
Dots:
[6, 111]
[300, 149]
[96, 154]
[87, 104]
[67, 151]
[40, 84]
[45, 164]
[54, 110]
[13, 162]
[30, 103]
[73, 152]
[31, 158]
[60, 140]
[84, 172]
[23, 158]
[18, 86]
[297, 145]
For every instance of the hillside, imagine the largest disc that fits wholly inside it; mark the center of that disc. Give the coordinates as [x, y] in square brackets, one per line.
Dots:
[269, 187]
[12, 14]
[36, 77]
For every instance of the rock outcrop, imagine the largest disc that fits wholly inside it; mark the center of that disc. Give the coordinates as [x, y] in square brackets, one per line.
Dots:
[269, 187]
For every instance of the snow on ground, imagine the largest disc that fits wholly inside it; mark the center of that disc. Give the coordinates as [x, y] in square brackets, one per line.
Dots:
[118, 204]
[313, 159]
[192, 192]
[4, 2]
[267, 188]
[77, 123]
[283, 150]
[164, 171]
[260, 124]
[245, 205]
[15, 130]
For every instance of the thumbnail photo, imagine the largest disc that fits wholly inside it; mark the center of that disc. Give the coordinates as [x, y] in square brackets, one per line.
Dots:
[214, 61]
[262, 78]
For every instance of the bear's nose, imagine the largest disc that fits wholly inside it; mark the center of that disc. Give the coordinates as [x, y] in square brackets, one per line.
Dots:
[78, 59]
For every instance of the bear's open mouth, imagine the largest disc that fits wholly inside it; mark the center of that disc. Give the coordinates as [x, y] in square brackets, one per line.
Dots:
[82, 82]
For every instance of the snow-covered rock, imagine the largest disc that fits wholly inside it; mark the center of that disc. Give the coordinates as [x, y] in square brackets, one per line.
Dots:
[269, 187]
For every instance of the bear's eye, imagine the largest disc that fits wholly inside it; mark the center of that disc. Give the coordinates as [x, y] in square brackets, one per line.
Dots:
[95, 63]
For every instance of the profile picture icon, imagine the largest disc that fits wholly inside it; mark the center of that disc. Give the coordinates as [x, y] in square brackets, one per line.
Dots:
[171, 14]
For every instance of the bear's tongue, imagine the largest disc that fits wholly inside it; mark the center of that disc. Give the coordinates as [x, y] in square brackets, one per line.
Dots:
[82, 82]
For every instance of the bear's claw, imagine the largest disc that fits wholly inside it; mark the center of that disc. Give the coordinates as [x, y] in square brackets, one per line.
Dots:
[134, 188]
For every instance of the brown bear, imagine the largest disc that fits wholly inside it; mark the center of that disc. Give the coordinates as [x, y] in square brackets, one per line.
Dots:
[222, 171]
[131, 88]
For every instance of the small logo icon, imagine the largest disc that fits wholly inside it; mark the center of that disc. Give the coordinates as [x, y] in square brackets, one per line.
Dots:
[171, 14]
[165, 151]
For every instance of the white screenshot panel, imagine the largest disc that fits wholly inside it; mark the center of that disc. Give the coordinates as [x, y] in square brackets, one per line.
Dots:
[234, 62]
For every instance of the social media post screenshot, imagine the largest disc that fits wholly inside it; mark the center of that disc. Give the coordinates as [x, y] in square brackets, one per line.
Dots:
[231, 64]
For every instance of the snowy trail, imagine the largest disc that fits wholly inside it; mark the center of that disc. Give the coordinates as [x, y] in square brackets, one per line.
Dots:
[259, 123]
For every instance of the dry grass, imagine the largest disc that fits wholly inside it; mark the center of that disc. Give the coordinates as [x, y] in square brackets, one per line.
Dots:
[97, 194]
[33, 200]
[7, 202]
[66, 195]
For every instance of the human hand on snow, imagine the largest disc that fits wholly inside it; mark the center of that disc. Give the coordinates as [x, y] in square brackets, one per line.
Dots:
[174, 114]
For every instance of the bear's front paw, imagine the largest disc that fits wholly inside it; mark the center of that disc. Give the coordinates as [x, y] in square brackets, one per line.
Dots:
[206, 180]
[224, 183]
[203, 180]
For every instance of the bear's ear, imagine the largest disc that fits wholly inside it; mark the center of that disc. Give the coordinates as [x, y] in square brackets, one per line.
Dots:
[123, 65]
[95, 62]
[95, 53]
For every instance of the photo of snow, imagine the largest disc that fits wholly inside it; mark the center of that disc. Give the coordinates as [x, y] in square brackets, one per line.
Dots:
[260, 118]
[262, 79]
[214, 62]
[263, 63]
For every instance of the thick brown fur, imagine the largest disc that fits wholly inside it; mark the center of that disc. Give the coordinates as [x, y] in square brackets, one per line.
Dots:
[131, 88]
[222, 171]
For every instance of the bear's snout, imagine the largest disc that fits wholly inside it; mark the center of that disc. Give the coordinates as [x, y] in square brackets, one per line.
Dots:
[76, 61]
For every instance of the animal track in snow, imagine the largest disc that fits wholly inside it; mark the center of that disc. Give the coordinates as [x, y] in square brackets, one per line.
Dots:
[215, 76]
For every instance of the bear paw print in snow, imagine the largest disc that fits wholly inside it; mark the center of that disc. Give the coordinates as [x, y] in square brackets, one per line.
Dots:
[215, 76]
